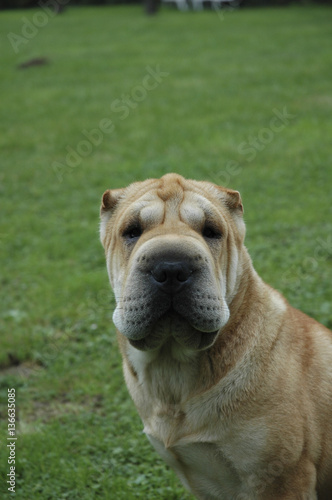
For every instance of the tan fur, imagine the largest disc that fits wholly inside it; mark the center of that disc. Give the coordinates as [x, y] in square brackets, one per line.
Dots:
[243, 413]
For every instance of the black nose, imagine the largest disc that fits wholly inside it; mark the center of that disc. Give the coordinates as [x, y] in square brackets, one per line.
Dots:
[170, 277]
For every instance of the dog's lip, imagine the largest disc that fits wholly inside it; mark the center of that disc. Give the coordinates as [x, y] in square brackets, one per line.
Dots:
[206, 340]
[141, 336]
[173, 311]
[166, 319]
[170, 313]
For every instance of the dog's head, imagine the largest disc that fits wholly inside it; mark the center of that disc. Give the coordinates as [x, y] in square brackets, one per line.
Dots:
[173, 250]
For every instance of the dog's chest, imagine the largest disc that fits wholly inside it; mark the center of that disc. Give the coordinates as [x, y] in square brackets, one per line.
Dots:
[190, 436]
[201, 467]
[198, 453]
[214, 458]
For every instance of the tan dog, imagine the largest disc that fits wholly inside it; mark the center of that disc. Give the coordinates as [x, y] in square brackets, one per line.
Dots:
[233, 385]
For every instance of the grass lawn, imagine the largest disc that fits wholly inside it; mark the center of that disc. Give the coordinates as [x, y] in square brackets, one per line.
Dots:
[240, 98]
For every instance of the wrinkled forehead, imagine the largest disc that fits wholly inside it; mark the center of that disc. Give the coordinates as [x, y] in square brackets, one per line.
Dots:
[153, 208]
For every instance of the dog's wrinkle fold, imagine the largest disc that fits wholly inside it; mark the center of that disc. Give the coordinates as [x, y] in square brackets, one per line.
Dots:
[220, 407]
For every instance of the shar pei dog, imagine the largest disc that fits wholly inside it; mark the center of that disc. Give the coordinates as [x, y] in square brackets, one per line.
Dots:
[233, 385]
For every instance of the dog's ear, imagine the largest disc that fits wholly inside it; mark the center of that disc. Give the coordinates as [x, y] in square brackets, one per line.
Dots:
[233, 200]
[109, 200]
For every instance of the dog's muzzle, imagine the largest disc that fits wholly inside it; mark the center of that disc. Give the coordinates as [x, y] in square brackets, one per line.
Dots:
[170, 291]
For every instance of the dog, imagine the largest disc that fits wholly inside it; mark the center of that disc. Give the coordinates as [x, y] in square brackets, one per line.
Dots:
[233, 385]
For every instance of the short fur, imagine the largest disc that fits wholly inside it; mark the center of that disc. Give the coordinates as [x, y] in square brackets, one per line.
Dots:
[233, 385]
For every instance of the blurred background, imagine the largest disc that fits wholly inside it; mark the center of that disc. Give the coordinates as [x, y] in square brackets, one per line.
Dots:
[96, 95]
[153, 5]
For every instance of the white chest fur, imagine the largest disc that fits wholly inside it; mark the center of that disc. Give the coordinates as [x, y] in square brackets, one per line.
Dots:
[190, 433]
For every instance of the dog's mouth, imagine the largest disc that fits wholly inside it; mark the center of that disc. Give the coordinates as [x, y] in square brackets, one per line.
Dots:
[140, 315]
[173, 327]
[191, 316]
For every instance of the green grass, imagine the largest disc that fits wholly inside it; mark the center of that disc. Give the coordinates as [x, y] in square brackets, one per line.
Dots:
[79, 436]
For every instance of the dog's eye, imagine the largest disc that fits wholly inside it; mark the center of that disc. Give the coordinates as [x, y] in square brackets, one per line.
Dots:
[133, 232]
[211, 233]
